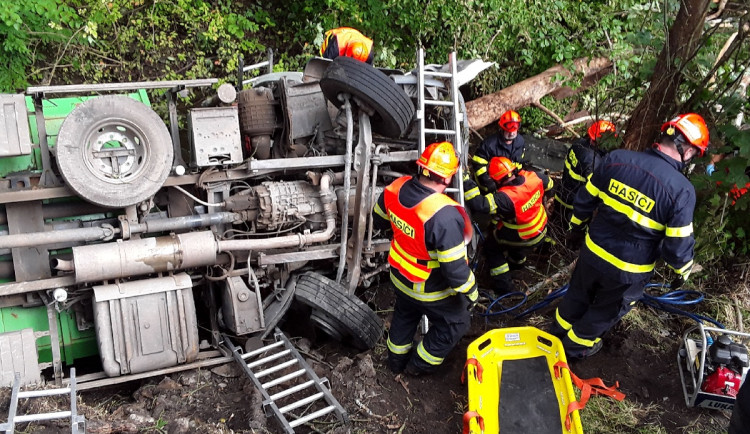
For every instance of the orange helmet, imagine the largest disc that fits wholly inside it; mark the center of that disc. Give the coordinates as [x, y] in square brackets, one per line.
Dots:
[500, 167]
[510, 121]
[692, 127]
[440, 159]
[600, 127]
[357, 50]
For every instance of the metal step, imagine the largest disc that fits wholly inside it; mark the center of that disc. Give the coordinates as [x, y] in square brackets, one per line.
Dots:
[291, 390]
[77, 422]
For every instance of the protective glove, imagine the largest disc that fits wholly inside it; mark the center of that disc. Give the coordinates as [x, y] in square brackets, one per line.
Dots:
[710, 169]
[472, 296]
[677, 283]
[575, 238]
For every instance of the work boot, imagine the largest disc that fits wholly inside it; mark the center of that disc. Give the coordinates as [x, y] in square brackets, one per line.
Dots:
[516, 264]
[582, 353]
[503, 284]
[413, 371]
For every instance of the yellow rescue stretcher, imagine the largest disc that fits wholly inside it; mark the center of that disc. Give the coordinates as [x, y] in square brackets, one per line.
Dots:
[519, 383]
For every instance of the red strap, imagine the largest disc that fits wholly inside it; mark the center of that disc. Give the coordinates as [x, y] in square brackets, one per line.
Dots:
[587, 386]
[478, 370]
[468, 416]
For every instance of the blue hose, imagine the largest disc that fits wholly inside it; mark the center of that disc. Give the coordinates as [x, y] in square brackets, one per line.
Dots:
[666, 302]
[490, 313]
[559, 292]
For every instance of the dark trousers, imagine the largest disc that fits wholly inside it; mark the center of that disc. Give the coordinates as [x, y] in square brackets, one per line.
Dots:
[740, 421]
[592, 305]
[449, 320]
[503, 246]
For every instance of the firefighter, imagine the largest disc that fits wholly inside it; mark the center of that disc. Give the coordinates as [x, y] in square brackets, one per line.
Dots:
[643, 208]
[582, 157]
[345, 41]
[505, 143]
[517, 205]
[739, 422]
[429, 267]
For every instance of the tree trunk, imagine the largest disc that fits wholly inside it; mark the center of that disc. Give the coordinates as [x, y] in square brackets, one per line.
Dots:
[485, 110]
[659, 102]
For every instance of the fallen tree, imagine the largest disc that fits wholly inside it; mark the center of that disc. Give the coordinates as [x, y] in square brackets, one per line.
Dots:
[485, 110]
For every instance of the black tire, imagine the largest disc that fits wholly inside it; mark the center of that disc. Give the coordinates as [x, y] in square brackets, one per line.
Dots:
[339, 315]
[394, 110]
[114, 151]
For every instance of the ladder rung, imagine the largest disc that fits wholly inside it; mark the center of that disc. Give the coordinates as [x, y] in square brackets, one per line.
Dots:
[440, 103]
[261, 350]
[40, 393]
[451, 190]
[311, 416]
[434, 131]
[276, 368]
[264, 360]
[438, 74]
[42, 416]
[291, 390]
[301, 402]
[280, 380]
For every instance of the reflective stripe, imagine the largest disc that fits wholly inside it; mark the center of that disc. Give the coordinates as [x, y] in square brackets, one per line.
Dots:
[575, 220]
[532, 227]
[379, 211]
[684, 231]
[479, 159]
[561, 322]
[398, 349]
[471, 194]
[499, 270]
[482, 170]
[630, 212]
[525, 243]
[560, 201]
[466, 287]
[408, 262]
[427, 357]
[452, 254]
[417, 291]
[572, 174]
[685, 270]
[591, 188]
[612, 259]
[550, 184]
[491, 201]
[518, 165]
[580, 341]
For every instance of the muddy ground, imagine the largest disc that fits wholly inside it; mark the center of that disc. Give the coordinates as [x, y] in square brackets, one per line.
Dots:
[220, 400]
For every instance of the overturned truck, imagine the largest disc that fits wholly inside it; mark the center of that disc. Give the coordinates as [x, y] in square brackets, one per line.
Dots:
[144, 241]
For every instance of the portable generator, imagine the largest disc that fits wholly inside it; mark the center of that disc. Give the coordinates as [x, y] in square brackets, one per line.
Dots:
[713, 363]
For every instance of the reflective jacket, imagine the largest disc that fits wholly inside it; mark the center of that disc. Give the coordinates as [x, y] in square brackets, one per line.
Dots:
[645, 210]
[335, 42]
[494, 146]
[428, 251]
[579, 164]
[519, 204]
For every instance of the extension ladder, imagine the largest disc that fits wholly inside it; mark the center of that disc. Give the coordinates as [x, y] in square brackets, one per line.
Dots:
[77, 422]
[278, 367]
[458, 116]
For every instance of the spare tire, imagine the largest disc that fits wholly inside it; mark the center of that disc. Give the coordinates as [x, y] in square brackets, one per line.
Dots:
[341, 316]
[394, 110]
[114, 151]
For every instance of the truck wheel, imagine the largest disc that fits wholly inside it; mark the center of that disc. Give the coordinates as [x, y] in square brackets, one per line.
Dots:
[114, 151]
[393, 108]
[342, 317]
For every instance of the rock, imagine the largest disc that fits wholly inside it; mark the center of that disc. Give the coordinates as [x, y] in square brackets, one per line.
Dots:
[366, 367]
[189, 378]
[141, 420]
[304, 345]
[167, 384]
[344, 364]
[179, 426]
[229, 370]
[101, 427]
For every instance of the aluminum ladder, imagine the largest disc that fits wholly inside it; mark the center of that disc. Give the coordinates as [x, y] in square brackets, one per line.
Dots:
[77, 422]
[458, 117]
[279, 367]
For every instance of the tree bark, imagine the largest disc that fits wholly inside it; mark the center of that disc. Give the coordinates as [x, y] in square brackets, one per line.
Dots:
[485, 110]
[659, 102]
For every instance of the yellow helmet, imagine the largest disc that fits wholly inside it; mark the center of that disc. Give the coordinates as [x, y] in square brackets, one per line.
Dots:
[439, 158]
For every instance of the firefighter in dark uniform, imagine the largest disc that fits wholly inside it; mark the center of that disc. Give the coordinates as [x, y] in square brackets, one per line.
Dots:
[345, 41]
[739, 423]
[429, 267]
[583, 156]
[505, 143]
[517, 206]
[644, 209]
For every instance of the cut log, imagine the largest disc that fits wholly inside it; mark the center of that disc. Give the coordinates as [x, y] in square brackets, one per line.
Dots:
[485, 110]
